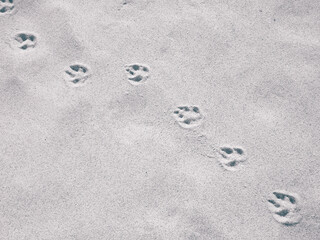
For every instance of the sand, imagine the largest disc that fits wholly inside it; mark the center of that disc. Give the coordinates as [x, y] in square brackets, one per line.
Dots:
[168, 119]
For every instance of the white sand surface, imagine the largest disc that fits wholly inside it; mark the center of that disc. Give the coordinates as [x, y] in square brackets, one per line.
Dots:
[96, 155]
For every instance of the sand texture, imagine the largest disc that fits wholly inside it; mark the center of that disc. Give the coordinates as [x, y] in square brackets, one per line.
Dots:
[159, 120]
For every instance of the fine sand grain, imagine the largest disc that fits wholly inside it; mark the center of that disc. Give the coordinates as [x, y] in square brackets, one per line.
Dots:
[159, 119]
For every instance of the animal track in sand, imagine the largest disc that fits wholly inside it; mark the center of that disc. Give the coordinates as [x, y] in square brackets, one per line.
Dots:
[188, 116]
[6, 6]
[25, 41]
[76, 75]
[284, 207]
[231, 157]
[137, 73]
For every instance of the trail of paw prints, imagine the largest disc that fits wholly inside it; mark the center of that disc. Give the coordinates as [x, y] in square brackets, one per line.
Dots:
[231, 158]
[137, 73]
[284, 207]
[6, 6]
[188, 116]
[76, 75]
[25, 41]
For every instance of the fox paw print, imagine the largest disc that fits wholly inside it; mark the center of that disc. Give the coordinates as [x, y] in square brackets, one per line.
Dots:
[284, 207]
[137, 73]
[188, 116]
[231, 157]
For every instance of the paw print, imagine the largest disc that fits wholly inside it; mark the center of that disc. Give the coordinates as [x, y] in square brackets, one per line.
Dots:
[285, 207]
[188, 116]
[6, 6]
[137, 73]
[231, 157]
[25, 40]
[76, 75]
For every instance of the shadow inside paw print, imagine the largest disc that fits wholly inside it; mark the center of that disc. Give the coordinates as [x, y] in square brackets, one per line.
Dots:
[76, 75]
[137, 73]
[26, 40]
[188, 116]
[6, 6]
[231, 157]
[285, 207]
